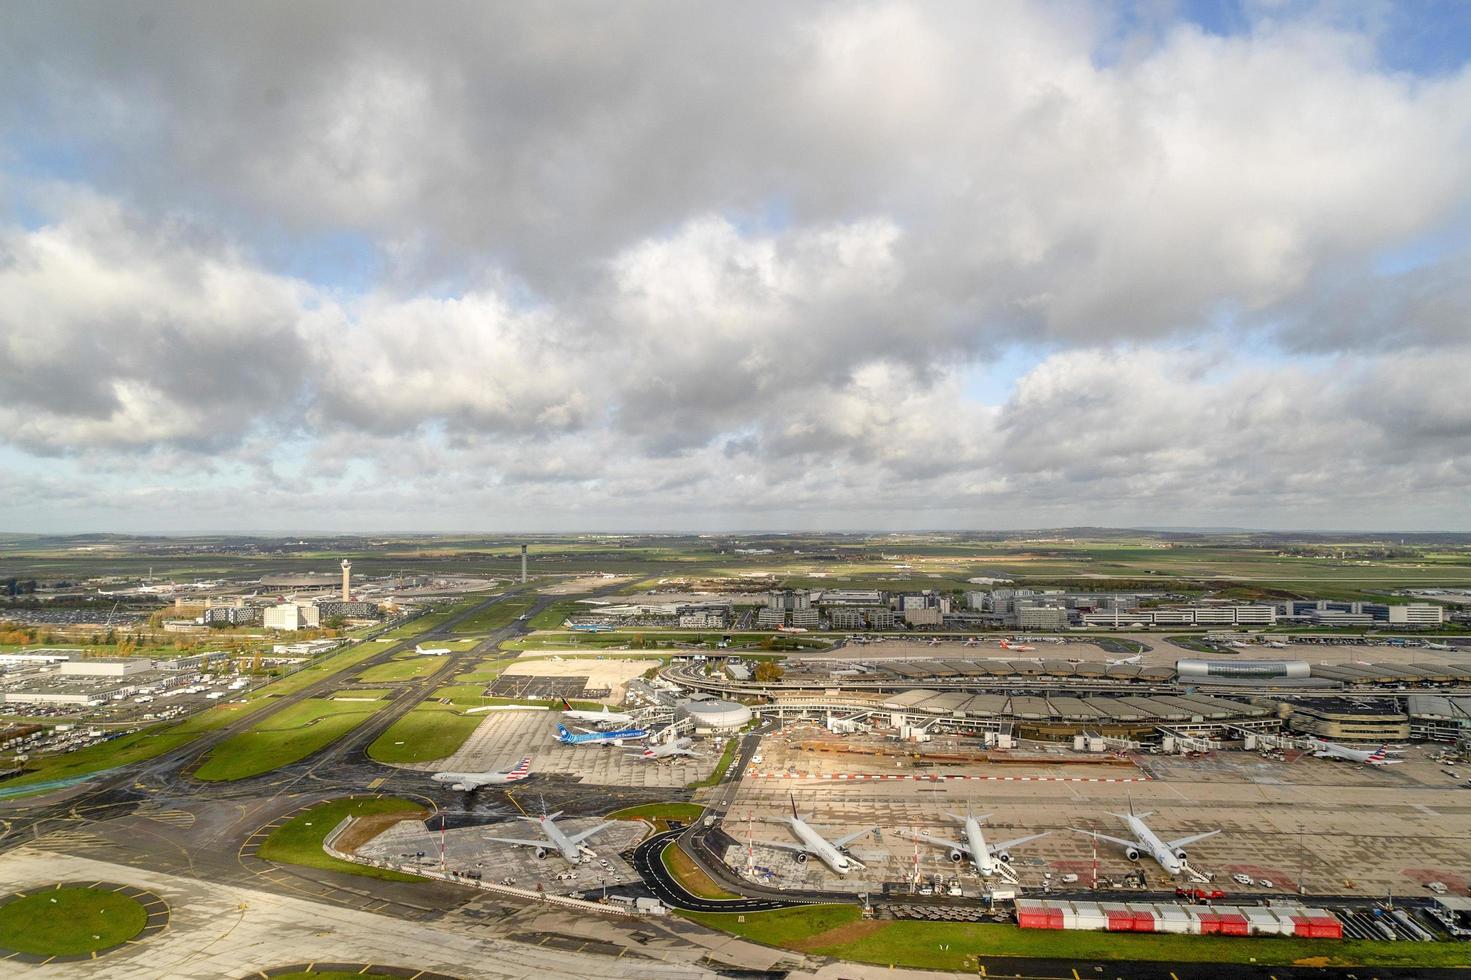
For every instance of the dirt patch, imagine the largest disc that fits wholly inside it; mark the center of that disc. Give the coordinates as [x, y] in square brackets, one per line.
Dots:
[841, 936]
[364, 829]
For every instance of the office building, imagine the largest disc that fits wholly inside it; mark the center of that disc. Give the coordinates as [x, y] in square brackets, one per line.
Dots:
[292, 616]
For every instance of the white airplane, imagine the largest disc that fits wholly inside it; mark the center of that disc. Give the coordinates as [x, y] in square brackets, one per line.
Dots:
[1016, 647]
[471, 781]
[569, 846]
[424, 651]
[668, 750]
[1169, 854]
[1437, 646]
[815, 845]
[607, 715]
[791, 629]
[1377, 757]
[1126, 661]
[988, 858]
[1277, 644]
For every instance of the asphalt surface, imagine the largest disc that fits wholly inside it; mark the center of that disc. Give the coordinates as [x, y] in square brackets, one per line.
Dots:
[647, 861]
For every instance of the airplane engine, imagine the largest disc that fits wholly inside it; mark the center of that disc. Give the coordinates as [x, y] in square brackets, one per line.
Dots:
[541, 852]
[461, 787]
[1004, 857]
[1180, 854]
[957, 856]
[1132, 854]
[801, 858]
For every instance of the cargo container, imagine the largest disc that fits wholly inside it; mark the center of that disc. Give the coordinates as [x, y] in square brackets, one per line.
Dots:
[1172, 918]
[1144, 917]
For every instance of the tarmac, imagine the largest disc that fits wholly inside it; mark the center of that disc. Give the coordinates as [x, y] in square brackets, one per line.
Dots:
[468, 849]
[1337, 828]
[504, 737]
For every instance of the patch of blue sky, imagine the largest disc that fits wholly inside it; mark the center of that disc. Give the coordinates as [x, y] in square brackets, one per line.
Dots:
[992, 382]
[344, 261]
[1426, 37]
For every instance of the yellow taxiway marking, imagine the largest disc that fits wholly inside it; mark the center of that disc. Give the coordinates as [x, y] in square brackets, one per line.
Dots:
[378, 782]
[1075, 974]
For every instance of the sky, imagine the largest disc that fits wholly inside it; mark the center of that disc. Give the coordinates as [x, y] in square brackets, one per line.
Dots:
[673, 266]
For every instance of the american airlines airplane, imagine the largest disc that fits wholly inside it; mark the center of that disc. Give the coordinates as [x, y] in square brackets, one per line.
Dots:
[570, 847]
[988, 858]
[668, 750]
[1169, 854]
[1376, 757]
[606, 715]
[1016, 647]
[469, 782]
[815, 845]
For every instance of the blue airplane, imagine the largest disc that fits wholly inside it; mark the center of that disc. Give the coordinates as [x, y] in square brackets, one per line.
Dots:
[568, 737]
[591, 628]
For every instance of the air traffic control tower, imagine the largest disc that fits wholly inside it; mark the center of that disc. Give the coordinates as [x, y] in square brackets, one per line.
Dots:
[523, 564]
[346, 580]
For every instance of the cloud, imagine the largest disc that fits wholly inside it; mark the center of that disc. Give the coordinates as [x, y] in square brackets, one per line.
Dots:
[644, 260]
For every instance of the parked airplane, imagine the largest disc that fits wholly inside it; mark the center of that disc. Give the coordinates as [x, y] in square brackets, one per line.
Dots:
[1437, 646]
[1016, 647]
[584, 737]
[1169, 854]
[1277, 644]
[815, 845]
[1376, 757]
[569, 846]
[469, 782]
[791, 629]
[606, 715]
[988, 858]
[1126, 661]
[668, 750]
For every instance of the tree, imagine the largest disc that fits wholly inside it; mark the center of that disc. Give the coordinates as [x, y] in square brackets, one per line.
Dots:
[768, 672]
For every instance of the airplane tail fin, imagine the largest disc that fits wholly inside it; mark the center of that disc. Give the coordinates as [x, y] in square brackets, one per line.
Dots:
[794, 806]
[566, 705]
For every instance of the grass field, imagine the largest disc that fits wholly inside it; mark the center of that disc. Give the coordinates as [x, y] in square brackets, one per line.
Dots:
[726, 758]
[687, 812]
[837, 930]
[688, 874]
[286, 737]
[68, 921]
[299, 840]
[501, 614]
[430, 731]
[401, 670]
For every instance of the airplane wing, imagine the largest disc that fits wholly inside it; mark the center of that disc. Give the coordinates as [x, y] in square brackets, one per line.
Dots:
[939, 842]
[850, 838]
[1007, 845]
[783, 846]
[523, 843]
[579, 838]
[1112, 840]
[1189, 840]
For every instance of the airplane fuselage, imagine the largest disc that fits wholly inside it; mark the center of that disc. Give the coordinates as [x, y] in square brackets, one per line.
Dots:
[980, 854]
[1153, 845]
[820, 846]
[612, 717]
